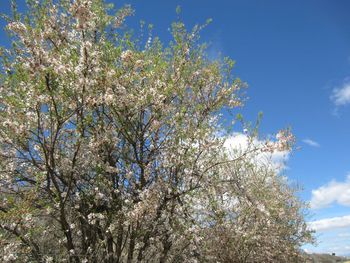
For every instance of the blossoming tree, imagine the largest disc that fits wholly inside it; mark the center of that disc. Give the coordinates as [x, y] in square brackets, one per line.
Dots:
[110, 150]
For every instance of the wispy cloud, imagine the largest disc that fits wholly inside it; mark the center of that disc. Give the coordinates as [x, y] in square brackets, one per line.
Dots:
[341, 96]
[332, 192]
[330, 223]
[311, 142]
[343, 235]
[241, 142]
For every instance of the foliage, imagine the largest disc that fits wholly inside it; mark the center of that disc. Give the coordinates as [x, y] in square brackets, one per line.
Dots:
[110, 150]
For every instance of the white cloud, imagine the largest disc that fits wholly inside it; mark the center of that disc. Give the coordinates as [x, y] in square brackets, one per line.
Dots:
[330, 223]
[311, 142]
[333, 192]
[341, 96]
[242, 143]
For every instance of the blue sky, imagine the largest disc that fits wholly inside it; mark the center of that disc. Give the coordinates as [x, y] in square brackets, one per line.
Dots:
[295, 56]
